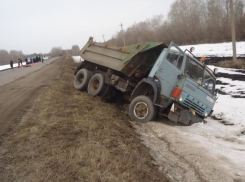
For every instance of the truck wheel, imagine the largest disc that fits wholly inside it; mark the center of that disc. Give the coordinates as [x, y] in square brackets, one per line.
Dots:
[96, 85]
[142, 109]
[109, 93]
[81, 79]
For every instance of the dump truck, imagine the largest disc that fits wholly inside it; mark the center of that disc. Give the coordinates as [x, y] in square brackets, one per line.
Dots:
[155, 78]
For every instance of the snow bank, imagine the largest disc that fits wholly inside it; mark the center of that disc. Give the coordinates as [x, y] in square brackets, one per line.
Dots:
[77, 59]
[217, 50]
[15, 65]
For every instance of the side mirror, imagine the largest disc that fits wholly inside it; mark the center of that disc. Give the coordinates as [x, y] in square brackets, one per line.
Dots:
[192, 49]
[215, 71]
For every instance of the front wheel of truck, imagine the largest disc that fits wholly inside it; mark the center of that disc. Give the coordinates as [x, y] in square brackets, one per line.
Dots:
[141, 109]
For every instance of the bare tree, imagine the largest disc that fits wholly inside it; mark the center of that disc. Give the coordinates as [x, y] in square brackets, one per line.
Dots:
[15, 55]
[4, 57]
[188, 22]
[75, 50]
[56, 51]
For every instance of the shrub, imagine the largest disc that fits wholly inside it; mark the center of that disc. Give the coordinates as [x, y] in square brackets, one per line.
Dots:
[239, 64]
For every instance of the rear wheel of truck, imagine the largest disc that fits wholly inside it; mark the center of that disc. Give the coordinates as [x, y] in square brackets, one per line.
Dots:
[142, 109]
[96, 85]
[81, 79]
[109, 93]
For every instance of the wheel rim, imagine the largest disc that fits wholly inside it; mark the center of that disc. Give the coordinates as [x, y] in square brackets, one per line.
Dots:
[95, 85]
[140, 110]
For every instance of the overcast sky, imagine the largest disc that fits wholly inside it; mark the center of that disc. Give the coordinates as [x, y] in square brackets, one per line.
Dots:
[35, 26]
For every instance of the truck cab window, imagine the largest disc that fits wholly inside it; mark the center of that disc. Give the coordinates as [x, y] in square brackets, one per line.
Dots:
[199, 74]
[176, 59]
[208, 81]
[194, 70]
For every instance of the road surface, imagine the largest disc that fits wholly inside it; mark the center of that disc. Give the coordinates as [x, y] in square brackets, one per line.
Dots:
[20, 87]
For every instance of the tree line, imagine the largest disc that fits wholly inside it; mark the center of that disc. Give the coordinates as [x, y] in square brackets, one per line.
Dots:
[188, 22]
[6, 56]
[14, 55]
[58, 51]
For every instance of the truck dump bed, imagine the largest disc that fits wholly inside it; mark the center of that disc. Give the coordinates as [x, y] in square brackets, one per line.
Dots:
[128, 59]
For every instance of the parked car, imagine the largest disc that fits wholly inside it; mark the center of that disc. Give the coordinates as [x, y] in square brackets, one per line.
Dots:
[33, 58]
[45, 57]
[28, 60]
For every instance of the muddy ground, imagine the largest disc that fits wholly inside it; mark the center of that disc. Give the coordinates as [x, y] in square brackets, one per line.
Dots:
[17, 96]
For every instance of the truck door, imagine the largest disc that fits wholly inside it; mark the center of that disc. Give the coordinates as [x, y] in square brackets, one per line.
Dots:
[169, 69]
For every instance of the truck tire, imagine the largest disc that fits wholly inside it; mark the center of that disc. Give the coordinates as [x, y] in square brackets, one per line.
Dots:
[109, 93]
[81, 79]
[141, 109]
[96, 85]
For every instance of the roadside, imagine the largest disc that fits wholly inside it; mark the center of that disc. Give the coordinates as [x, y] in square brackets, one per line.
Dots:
[9, 75]
[71, 136]
[17, 96]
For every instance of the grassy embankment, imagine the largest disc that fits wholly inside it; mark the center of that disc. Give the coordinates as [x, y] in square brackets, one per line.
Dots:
[71, 136]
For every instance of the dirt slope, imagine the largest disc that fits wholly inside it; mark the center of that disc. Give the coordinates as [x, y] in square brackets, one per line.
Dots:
[16, 96]
[71, 136]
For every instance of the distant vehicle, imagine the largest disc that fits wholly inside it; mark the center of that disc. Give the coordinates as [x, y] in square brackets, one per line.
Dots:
[28, 60]
[32, 58]
[46, 57]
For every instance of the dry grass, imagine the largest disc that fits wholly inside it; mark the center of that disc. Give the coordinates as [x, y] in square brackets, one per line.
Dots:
[239, 64]
[71, 136]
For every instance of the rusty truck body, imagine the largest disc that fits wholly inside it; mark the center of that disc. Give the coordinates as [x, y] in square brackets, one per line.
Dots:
[155, 78]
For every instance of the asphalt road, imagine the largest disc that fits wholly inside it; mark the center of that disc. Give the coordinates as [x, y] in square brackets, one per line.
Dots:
[9, 75]
[21, 86]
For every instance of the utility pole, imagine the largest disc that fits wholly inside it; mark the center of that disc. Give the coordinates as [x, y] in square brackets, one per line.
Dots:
[122, 34]
[104, 37]
[233, 31]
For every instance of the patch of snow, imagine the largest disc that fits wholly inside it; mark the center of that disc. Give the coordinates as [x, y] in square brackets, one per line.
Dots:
[15, 65]
[217, 50]
[77, 59]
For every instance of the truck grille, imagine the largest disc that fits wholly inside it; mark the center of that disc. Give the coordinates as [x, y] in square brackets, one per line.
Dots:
[190, 104]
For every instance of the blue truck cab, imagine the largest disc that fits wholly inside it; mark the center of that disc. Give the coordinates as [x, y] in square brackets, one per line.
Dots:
[185, 88]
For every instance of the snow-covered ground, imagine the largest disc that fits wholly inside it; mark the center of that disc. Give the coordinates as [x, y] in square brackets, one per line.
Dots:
[15, 65]
[214, 151]
[217, 50]
[77, 59]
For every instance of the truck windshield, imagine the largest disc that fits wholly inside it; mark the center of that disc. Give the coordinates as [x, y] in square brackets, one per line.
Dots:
[199, 74]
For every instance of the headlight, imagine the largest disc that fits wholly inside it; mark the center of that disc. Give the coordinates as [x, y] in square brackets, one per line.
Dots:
[180, 98]
[206, 114]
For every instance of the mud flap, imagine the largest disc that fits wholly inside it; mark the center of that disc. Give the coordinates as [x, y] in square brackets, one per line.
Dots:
[185, 117]
[178, 114]
[173, 116]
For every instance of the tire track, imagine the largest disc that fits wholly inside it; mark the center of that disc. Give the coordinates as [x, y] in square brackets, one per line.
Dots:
[17, 96]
